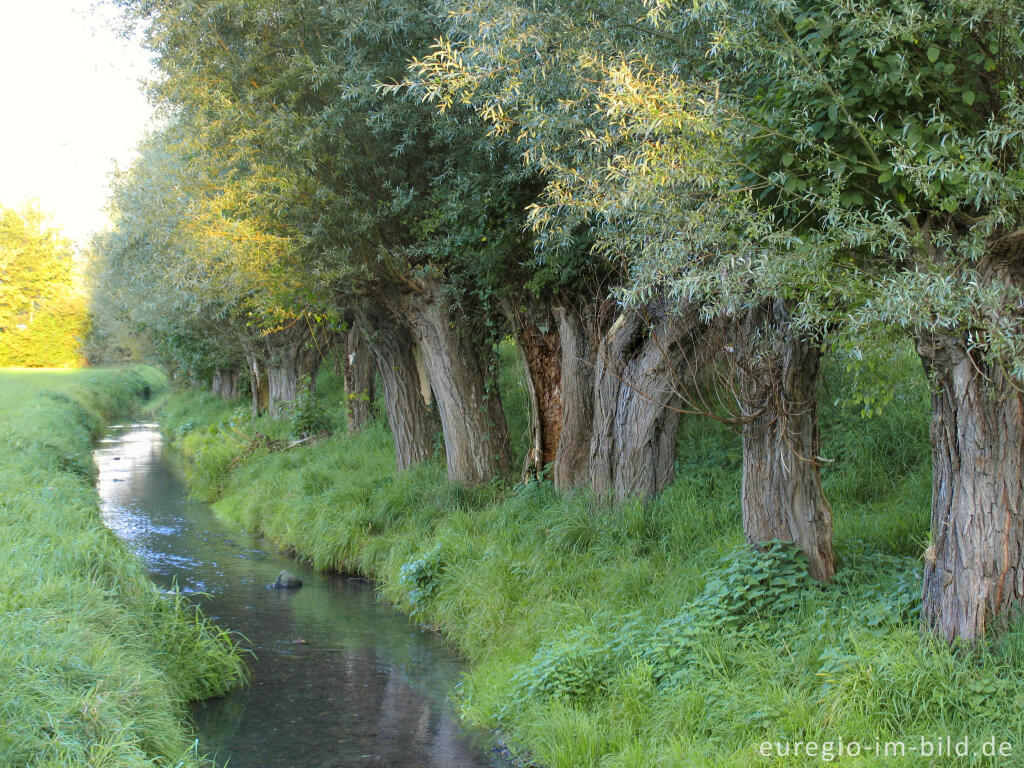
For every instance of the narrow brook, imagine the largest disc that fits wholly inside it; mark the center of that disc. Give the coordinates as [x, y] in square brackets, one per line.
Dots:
[340, 679]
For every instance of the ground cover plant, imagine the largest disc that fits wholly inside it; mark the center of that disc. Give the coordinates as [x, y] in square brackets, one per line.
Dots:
[96, 665]
[642, 633]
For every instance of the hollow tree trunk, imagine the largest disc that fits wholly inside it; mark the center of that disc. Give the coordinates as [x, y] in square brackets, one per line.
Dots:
[638, 377]
[777, 393]
[974, 568]
[576, 385]
[358, 380]
[404, 384]
[539, 347]
[476, 440]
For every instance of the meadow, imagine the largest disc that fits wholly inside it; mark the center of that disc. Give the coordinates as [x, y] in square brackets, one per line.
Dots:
[643, 634]
[96, 665]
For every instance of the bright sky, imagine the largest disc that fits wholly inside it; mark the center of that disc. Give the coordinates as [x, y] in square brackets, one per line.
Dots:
[70, 105]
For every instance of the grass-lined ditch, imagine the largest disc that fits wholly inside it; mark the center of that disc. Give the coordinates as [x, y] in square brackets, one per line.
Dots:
[96, 665]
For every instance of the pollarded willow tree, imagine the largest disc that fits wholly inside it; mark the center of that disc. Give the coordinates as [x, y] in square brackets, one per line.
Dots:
[846, 167]
[561, 79]
[387, 201]
[529, 70]
[885, 141]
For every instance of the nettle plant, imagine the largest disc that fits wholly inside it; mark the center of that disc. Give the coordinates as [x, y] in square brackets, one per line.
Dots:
[420, 577]
[750, 589]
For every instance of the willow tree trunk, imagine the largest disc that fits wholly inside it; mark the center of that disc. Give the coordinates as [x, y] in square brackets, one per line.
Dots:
[283, 381]
[576, 384]
[778, 398]
[405, 386]
[643, 363]
[539, 347]
[476, 441]
[225, 383]
[293, 355]
[974, 567]
[358, 380]
[259, 386]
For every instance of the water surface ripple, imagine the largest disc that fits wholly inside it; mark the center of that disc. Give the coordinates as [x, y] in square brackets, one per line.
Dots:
[340, 679]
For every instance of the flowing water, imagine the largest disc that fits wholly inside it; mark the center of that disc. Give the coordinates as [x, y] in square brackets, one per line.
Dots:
[339, 679]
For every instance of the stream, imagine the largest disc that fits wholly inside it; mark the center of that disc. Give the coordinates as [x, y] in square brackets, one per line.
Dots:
[339, 678]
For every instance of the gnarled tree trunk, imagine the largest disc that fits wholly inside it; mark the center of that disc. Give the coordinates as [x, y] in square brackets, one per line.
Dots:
[777, 393]
[576, 384]
[292, 355]
[468, 401]
[283, 382]
[358, 380]
[259, 385]
[539, 347]
[642, 362]
[974, 567]
[225, 383]
[405, 386]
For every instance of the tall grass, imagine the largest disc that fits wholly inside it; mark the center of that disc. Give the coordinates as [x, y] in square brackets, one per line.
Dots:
[644, 635]
[96, 666]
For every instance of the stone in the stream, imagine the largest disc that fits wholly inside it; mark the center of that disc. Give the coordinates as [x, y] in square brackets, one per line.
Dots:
[286, 580]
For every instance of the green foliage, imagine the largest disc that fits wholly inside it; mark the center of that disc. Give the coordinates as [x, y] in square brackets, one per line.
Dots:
[751, 586]
[419, 576]
[860, 161]
[579, 666]
[43, 319]
[756, 584]
[96, 664]
[308, 415]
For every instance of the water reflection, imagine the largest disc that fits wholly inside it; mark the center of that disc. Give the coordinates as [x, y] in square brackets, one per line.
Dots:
[341, 680]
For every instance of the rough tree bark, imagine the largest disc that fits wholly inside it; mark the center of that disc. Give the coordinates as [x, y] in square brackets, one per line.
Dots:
[225, 383]
[539, 346]
[404, 383]
[777, 394]
[358, 380]
[476, 440]
[292, 354]
[642, 361]
[577, 331]
[258, 385]
[974, 567]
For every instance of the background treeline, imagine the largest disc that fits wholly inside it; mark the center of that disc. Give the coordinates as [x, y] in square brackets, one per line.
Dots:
[43, 307]
[668, 207]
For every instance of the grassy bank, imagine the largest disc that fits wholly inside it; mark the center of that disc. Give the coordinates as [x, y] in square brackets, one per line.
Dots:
[644, 635]
[95, 665]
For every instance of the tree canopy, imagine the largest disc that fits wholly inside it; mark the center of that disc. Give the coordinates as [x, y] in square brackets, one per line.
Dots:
[43, 317]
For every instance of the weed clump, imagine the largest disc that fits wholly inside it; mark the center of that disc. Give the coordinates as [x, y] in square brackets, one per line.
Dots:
[307, 414]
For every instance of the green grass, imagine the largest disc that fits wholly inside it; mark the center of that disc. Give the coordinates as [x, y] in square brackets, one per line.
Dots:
[96, 666]
[642, 635]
